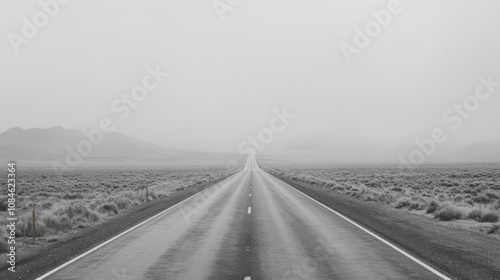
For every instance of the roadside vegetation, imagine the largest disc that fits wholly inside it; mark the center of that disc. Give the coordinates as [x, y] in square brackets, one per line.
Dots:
[445, 193]
[83, 198]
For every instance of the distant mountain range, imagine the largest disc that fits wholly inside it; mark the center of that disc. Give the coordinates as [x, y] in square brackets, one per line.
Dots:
[52, 143]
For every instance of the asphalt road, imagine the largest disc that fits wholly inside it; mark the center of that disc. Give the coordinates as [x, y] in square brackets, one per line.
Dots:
[249, 226]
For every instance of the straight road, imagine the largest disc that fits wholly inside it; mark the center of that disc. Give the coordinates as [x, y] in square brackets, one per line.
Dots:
[249, 226]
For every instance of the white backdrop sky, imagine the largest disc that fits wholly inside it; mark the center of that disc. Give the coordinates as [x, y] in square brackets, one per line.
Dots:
[227, 76]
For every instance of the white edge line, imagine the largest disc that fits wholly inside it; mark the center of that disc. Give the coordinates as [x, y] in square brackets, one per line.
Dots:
[128, 230]
[372, 234]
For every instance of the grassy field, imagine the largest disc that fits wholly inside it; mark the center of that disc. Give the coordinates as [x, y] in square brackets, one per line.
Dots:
[445, 193]
[83, 198]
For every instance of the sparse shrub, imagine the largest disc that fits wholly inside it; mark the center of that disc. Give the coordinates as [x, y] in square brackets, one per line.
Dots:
[52, 239]
[449, 212]
[483, 198]
[72, 196]
[24, 227]
[47, 205]
[135, 202]
[454, 190]
[475, 214]
[40, 195]
[386, 198]
[469, 201]
[418, 204]
[369, 197]
[354, 194]
[109, 208]
[57, 223]
[402, 202]
[92, 216]
[489, 217]
[121, 202]
[493, 195]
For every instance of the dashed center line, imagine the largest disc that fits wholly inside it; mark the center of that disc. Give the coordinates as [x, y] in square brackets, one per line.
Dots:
[249, 210]
[248, 278]
[249, 194]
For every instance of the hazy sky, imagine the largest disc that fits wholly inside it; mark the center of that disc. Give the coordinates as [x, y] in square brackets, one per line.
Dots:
[227, 76]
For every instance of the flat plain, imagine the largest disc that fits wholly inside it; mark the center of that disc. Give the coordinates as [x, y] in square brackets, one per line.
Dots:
[84, 198]
[466, 195]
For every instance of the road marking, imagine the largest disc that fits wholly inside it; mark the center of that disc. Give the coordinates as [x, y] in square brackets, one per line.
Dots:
[249, 210]
[130, 229]
[249, 194]
[248, 278]
[437, 273]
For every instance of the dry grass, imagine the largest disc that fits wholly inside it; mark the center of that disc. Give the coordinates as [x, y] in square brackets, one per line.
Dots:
[445, 192]
[83, 198]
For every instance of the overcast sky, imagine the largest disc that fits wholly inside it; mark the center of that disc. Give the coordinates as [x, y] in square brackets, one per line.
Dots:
[227, 76]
